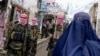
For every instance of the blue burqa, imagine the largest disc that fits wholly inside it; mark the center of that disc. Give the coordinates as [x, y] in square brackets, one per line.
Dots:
[79, 39]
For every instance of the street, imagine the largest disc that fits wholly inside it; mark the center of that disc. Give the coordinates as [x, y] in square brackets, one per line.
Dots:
[28, 27]
[41, 50]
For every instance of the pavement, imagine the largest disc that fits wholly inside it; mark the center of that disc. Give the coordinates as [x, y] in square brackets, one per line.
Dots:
[41, 40]
[41, 49]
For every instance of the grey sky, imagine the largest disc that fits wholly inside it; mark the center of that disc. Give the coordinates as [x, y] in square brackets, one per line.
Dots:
[74, 6]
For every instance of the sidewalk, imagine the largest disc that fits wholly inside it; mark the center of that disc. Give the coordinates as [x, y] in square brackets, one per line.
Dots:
[41, 40]
[41, 43]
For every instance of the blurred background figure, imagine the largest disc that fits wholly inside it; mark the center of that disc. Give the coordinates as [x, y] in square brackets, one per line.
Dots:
[32, 41]
[1, 29]
[44, 29]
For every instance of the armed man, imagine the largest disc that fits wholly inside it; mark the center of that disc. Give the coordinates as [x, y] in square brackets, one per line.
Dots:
[32, 46]
[52, 41]
[17, 40]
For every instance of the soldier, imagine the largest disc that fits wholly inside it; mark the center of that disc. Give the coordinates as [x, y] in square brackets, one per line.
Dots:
[33, 39]
[52, 41]
[17, 39]
[44, 29]
[59, 25]
[51, 45]
[1, 29]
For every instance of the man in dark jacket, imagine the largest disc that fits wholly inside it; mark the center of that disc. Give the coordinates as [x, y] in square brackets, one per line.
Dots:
[32, 41]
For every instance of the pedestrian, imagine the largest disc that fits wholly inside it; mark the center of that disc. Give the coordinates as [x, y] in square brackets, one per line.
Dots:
[17, 38]
[65, 25]
[1, 29]
[52, 40]
[32, 41]
[51, 45]
[44, 29]
[59, 25]
[51, 27]
[79, 39]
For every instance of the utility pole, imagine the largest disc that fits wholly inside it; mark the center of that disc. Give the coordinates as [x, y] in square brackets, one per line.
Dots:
[22, 5]
[41, 17]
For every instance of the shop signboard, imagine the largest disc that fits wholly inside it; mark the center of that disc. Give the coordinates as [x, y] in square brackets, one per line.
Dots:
[52, 9]
[44, 6]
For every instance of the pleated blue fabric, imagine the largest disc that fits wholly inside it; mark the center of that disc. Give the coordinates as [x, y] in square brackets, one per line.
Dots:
[79, 39]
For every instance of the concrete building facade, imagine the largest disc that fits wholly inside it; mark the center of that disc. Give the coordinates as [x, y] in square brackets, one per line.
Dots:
[93, 14]
[31, 5]
[98, 20]
[95, 17]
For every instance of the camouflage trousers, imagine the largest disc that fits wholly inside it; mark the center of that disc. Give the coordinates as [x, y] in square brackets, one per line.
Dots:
[14, 53]
[15, 49]
[32, 47]
[51, 45]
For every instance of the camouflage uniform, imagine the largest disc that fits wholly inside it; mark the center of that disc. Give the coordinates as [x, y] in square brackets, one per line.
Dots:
[51, 44]
[44, 30]
[52, 40]
[16, 41]
[32, 46]
[59, 27]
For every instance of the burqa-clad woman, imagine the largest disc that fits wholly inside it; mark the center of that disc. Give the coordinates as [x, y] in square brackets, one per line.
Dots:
[79, 39]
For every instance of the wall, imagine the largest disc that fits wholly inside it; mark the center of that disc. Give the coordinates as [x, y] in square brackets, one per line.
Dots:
[93, 14]
[98, 20]
[32, 6]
